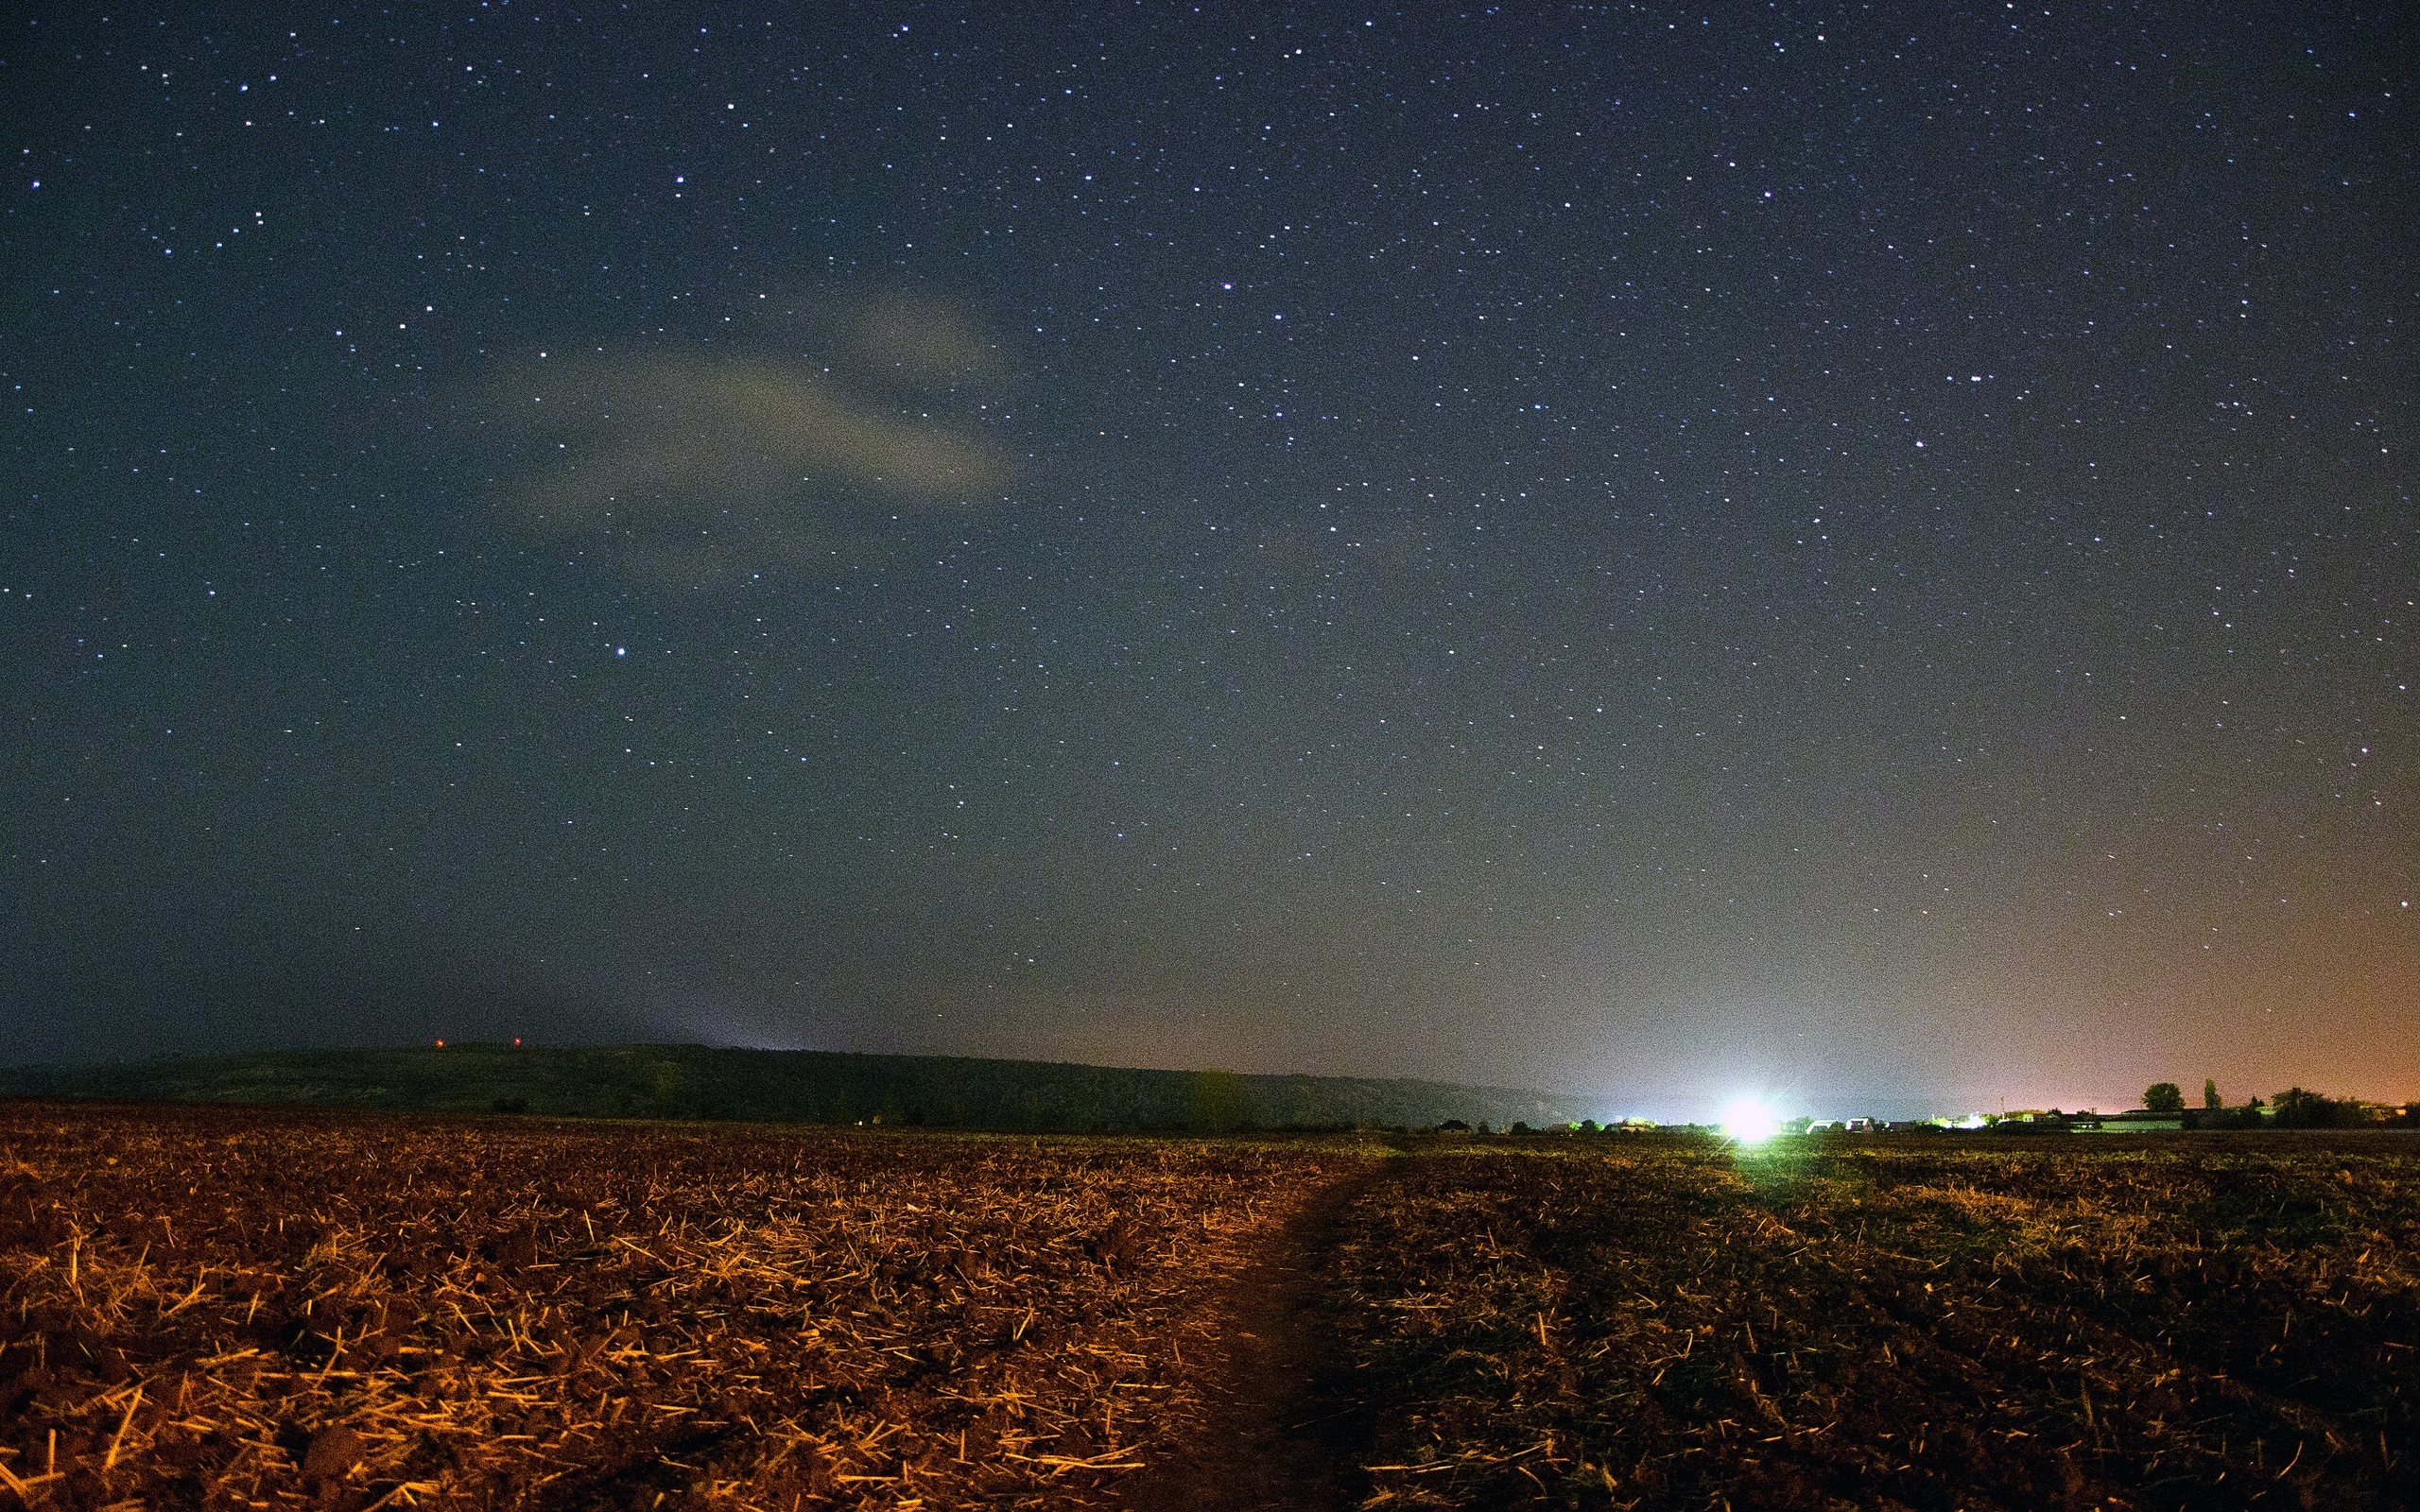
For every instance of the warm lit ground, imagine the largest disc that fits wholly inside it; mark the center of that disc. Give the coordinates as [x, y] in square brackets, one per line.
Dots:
[211, 1307]
[218, 1307]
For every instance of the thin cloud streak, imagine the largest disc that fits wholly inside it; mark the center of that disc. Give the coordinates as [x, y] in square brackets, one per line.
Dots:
[699, 466]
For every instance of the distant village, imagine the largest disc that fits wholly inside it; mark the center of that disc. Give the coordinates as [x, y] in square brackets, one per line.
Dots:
[2164, 1110]
[2335, 1112]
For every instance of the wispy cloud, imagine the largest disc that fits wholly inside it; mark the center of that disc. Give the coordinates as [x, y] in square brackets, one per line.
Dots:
[700, 466]
[923, 338]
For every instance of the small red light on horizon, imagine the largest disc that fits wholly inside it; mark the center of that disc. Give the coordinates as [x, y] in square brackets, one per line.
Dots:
[440, 1044]
[516, 1041]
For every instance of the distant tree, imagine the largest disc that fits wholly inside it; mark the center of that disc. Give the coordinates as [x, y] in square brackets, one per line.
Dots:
[2297, 1109]
[1520, 1125]
[2210, 1097]
[670, 1090]
[2164, 1097]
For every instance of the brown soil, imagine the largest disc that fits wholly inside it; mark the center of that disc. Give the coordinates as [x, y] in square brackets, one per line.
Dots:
[210, 1308]
[1283, 1428]
[289, 1312]
[2178, 1323]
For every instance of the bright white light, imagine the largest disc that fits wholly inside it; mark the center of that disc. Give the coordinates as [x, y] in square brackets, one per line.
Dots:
[1748, 1121]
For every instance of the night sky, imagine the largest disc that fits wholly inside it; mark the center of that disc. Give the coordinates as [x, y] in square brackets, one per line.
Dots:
[1863, 553]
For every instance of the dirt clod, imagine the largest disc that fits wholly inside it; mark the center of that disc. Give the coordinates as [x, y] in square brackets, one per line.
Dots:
[334, 1451]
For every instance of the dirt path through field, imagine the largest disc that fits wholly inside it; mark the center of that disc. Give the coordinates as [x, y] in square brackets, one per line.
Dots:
[1285, 1430]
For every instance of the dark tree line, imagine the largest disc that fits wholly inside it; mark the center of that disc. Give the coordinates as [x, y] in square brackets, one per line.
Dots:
[2294, 1107]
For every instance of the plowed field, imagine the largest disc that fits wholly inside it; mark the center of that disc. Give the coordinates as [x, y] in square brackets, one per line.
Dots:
[219, 1308]
[222, 1307]
[2187, 1321]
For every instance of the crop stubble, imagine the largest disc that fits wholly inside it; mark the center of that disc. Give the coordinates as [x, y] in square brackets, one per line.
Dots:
[2177, 1322]
[222, 1307]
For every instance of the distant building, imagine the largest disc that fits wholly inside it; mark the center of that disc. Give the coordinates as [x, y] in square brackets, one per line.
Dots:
[2140, 1121]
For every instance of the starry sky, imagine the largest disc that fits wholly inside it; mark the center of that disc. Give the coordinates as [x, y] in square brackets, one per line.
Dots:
[1861, 552]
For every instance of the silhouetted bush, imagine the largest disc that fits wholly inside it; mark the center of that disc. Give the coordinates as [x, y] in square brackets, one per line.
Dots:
[2297, 1109]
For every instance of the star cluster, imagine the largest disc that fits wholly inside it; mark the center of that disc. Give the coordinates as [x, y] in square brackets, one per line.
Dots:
[1863, 549]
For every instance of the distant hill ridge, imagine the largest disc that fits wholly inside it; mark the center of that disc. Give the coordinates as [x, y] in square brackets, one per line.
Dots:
[802, 1086]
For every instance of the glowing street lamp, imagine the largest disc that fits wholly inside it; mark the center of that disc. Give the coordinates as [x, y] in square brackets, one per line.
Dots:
[1748, 1121]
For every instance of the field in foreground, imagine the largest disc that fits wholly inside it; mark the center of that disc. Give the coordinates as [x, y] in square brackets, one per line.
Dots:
[221, 1307]
[2185, 1321]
